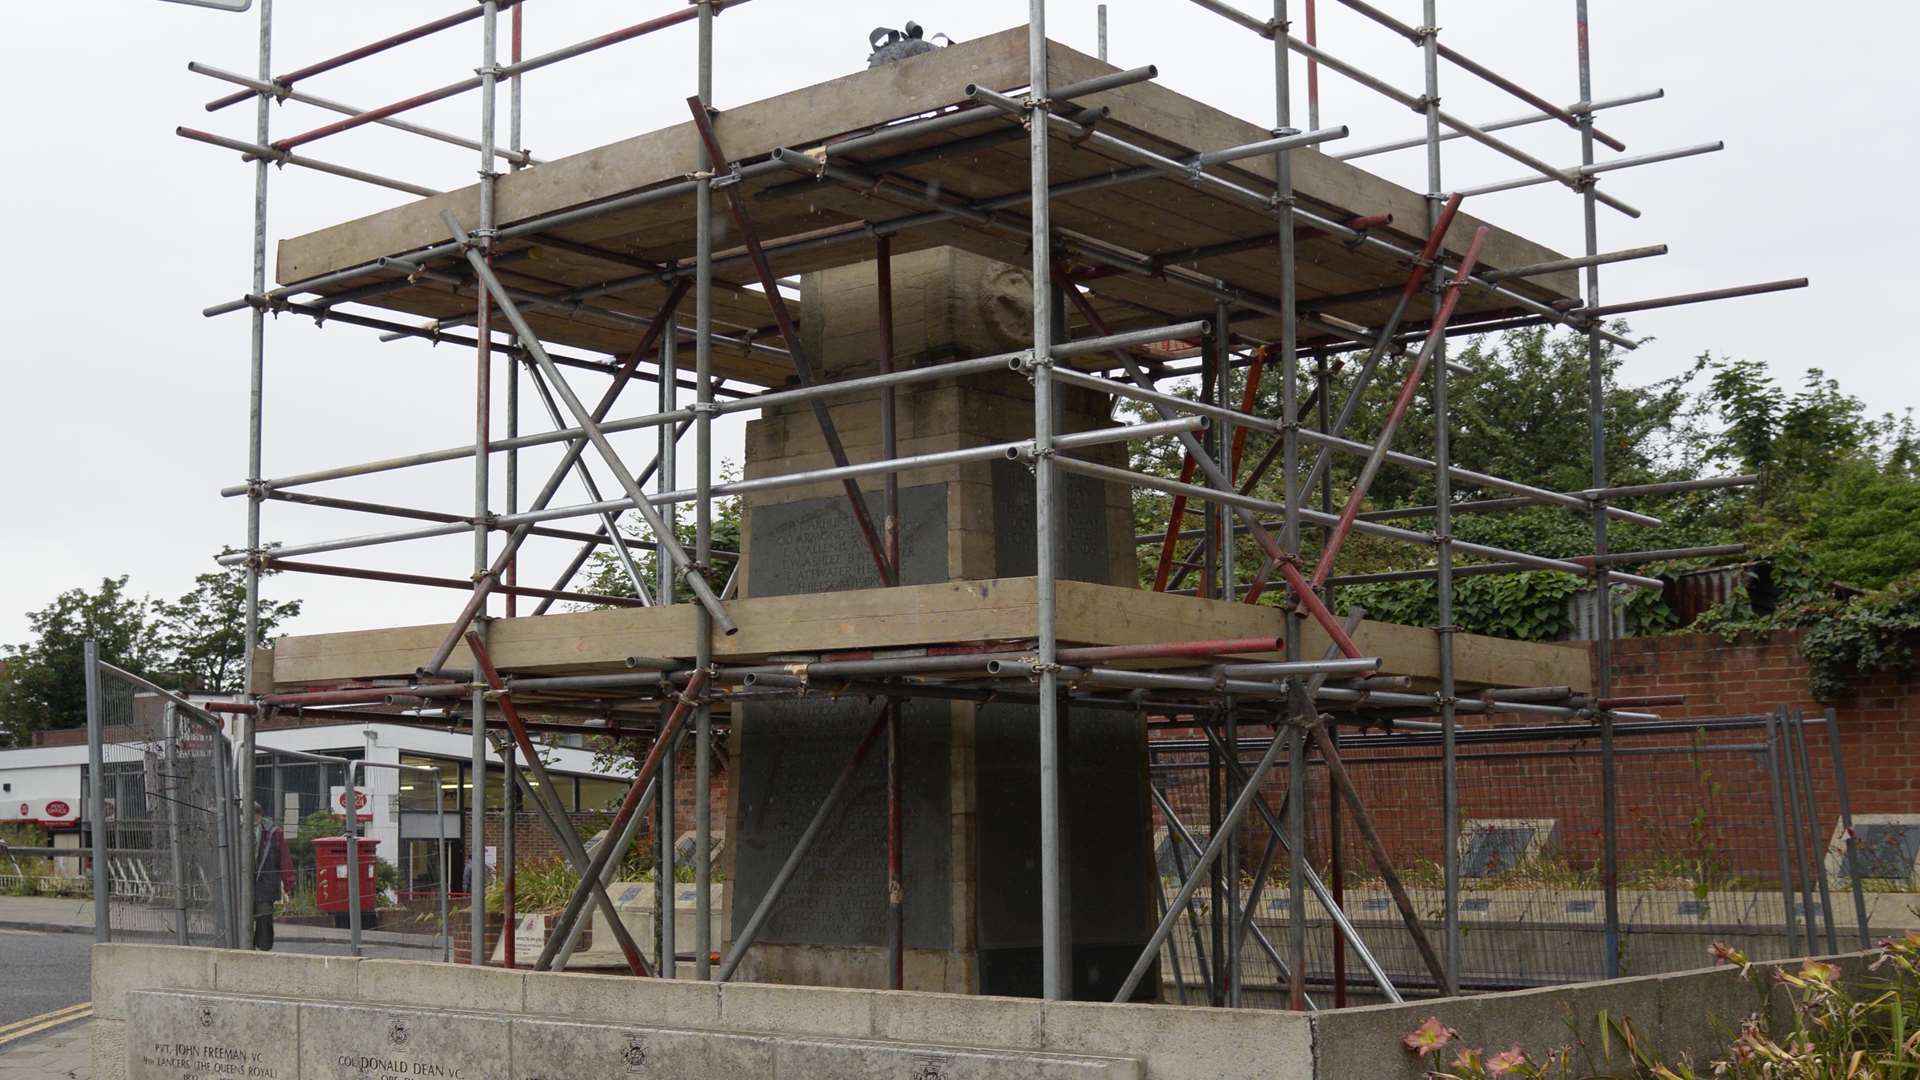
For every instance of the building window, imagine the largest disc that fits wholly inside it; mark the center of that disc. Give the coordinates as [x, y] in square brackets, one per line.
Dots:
[421, 792]
[599, 795]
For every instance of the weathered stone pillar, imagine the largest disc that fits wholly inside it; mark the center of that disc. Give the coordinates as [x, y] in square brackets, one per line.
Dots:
[970, 774]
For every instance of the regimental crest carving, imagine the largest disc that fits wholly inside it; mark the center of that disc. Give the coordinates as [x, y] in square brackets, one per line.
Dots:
[398, 1033]
[206, 1016]
[928, 1069]
[635, 1055]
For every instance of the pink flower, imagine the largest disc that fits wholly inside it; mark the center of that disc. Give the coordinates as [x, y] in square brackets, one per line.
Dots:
[1467, 1060]
[1815, 971]
[1429, 1037]
[1724, 953]
[1506, 1061]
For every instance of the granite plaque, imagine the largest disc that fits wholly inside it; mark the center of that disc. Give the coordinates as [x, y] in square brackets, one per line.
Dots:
[174, 1035]
[375, 1042]
[561, 1050]
[814, 545]
[1110, 863]
[856, 1059]
[790, 753]
[1082, 526]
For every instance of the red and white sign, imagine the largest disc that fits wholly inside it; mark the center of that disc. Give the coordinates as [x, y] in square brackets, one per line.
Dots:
[362, 804]
[47, 813]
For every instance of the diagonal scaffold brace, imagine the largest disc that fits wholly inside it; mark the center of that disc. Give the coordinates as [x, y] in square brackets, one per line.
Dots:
[1416, 278]
[635, 802]
[575, 448]
[1218, 478]
[590, 424]
[803, 368]
[541, 792]
[1410, 386]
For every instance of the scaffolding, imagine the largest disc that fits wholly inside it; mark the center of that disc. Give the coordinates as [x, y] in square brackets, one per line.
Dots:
[1080, 282]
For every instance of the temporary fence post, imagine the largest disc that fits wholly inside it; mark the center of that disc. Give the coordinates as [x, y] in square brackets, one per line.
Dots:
[97, 793]
[1789, 761]
[666, 908]
[1816, 863]
[1780, 834]
[507, 882]
[1846, 824]
[171, 792]
[352, 813]
[896, 885]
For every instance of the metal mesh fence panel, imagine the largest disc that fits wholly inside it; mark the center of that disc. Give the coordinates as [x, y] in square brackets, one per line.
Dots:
[1700, 862]
[166, 779]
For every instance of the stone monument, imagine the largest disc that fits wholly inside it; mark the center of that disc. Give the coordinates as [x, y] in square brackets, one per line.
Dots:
[969, 772]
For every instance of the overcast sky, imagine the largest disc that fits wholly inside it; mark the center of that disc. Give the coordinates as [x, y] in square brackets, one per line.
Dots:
[124, 411]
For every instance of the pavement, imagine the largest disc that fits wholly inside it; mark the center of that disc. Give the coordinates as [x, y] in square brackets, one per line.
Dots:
[54, 915]
[44, 1004]
[55, 1049]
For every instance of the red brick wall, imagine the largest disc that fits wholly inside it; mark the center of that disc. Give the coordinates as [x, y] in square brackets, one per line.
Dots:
[1879, 724]
[1672, 807]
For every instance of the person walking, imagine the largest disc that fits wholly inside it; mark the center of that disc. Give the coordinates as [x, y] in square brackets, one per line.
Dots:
[273, 876]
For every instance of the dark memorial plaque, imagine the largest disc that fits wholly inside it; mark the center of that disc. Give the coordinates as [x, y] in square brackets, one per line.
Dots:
[1082, 525]
[1105, 832]
[815, 546]
[790, 753]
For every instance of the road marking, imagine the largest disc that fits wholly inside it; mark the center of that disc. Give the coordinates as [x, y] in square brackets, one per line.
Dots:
[34, 1025]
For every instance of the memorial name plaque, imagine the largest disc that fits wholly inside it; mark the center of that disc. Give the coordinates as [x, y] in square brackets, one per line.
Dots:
[180, 1036]
[791, 753]
[814, 545]
[559, 1050]
[854, 1059]
[347, 1042]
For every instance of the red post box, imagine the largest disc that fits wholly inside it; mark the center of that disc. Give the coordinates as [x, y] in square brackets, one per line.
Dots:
[330, 866]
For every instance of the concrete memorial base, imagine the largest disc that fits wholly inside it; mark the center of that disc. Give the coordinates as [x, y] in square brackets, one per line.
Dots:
[200, 1014]
[188, 1035]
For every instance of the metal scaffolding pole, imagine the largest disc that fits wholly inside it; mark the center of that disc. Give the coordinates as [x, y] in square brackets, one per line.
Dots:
[257, 345]
[1056, 952]
[704, 623]
[482, 472]
[1603, 588]
[666, 901]
[1428, 37]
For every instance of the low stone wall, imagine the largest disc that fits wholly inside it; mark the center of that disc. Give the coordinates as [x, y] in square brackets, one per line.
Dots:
[1146, 1041]
[1687, 1012]
[376, 1009]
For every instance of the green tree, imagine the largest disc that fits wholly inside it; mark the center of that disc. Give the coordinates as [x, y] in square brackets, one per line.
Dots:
[1520, 412]
[1838, 487]
[44, 681]
[603, 573]
[202, 635]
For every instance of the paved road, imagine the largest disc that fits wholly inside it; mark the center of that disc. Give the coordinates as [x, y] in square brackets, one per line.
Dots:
[41, 972]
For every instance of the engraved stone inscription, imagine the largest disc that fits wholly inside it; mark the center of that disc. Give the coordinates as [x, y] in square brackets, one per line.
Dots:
[1081, 532]
[814, 545]
[343, 1042]
[562, 1050]
[178, 1036]
[791, 752]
